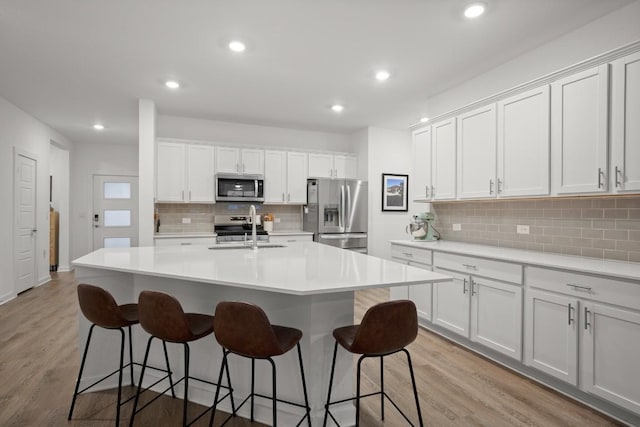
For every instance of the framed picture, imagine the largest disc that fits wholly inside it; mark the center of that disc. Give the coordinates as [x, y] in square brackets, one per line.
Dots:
[394, 192]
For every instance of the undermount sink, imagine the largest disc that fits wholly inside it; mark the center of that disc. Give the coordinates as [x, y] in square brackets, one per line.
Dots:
[243, 246]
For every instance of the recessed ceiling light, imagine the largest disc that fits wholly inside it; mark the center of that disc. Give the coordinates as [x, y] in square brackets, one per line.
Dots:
[98, 126]
[382, 75]
[424, 119]
[474, 10]
[237, 46]
[337, 108]
[172, 84]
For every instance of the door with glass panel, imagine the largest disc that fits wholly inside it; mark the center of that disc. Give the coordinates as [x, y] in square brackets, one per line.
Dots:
[115, 211]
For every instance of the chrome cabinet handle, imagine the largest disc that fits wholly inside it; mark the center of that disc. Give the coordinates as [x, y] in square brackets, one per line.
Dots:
[464, 285]
[618, 174]
[185, 244]
[570, 309]
[499, 186]
[470, 266]
[579, 287]
[189, 195]
[586, 318]
[407, 254]
[288, 197]
[426, 191]
[473, 289]
[283, 197]
[490, 186]
[600, 176]
[433, 192]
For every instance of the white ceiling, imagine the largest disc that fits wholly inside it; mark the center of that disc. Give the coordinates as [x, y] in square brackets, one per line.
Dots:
[73, 62]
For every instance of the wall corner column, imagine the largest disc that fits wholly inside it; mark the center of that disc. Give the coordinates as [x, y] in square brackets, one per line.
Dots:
[146, 168]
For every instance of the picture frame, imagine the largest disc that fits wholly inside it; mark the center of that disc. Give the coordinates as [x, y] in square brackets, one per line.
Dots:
[395, 190]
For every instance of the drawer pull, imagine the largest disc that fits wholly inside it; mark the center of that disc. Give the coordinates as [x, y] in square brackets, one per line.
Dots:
[571, 319]
[470, 266]
[464, 286]
[579, 287]
[407, 254]
[185, 244]
[586, 318]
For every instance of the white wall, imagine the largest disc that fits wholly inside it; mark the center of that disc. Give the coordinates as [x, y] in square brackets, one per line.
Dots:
[59, 169]
[245, 134]
[389, 151]
[19, 129]
[88, 160]
[360, 142]
[619, 28]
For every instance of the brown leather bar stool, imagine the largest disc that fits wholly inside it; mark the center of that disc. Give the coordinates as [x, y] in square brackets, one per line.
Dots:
[244, 329]
[161, 315]
[99, 307]
[386, 328]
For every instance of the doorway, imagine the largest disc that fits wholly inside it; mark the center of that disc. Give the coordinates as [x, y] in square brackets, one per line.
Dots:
[115, 211]
[25, 214]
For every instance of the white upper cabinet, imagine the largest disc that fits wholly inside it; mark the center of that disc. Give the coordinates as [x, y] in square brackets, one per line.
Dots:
[443, 160]
[421, 165]
[285, 175]
[625, 124]
[477, 153]
[240, 160]
[185, 172]
[579, 132]
[323, 165]
[524, 144]
[297, 175]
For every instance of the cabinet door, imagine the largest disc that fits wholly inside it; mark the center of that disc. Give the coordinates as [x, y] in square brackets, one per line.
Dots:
[421, 165]
[200, 173]
[170, 172]
[551, 334]
[496, 316]
[252, 161]
[345, 167]
[443, 161]
[523, 144]
[477, 153]
[451, 303]
[227, 160]
[610, 349]
[625, 126]
[579, 114]
[297, 177]
[320, 165]
[275, 176]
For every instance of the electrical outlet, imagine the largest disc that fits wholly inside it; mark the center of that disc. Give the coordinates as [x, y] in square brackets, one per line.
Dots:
[186, 220]
[522, 229]
[457, 227]
[276, 220]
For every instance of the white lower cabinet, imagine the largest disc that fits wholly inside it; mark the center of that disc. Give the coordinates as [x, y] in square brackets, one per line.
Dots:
[451, 303]
[290, 238]
[419, 294]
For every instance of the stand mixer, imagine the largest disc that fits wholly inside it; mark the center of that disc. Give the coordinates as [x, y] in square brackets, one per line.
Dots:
[420, 227]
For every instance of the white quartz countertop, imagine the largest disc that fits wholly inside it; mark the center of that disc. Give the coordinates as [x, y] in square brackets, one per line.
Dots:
[623, 270]
[299, 268]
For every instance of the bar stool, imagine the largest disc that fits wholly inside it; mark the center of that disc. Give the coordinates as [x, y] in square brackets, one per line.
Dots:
[161, 315]
[386, 329]
[244, 329]
[99, 307]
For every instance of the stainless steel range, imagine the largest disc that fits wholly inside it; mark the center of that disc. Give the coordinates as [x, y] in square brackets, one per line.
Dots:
[237, 228]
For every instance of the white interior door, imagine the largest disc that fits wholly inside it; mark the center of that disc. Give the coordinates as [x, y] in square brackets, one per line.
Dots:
[115, 211]
[25, 222]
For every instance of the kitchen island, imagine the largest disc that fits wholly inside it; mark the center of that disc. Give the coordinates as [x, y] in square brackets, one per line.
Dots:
[305, 285]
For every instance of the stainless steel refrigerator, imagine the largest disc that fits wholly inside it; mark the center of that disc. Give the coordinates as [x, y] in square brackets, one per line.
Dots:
[336, 212]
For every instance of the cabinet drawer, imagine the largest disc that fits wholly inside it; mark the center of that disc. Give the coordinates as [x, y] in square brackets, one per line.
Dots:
[185, 241]
[626, 294]
[291, 238]
[407, 253]
[499, 270]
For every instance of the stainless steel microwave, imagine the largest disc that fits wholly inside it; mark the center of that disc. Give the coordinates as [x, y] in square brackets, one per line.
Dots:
[239, 188]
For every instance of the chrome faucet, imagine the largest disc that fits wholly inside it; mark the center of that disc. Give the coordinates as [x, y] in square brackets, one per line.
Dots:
[254, 236]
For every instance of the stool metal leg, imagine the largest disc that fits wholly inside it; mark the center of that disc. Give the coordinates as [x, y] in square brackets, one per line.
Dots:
[130, 355]
[358, 391]
[333, 368]
[415, 389]
[273, 378]
[253, 380]
[382, 387]
[144, 366]
[186, 384]
[166, 358]
[304, 386]
[120, 376]
[215, 399]
[84, 359]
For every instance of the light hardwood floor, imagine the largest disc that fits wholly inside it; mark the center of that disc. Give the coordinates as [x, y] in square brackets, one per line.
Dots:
[39, 360]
